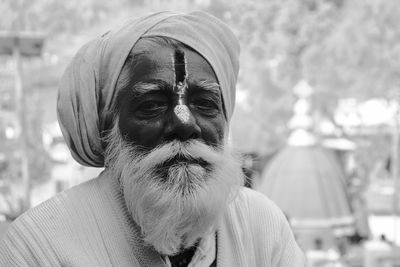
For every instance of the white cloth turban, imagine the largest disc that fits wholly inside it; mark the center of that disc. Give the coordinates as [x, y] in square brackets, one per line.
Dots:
[88, 87]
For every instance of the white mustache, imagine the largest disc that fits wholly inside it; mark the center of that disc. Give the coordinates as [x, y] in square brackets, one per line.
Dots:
[190, 151]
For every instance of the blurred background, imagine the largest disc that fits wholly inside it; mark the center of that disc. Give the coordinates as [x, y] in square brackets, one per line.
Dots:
[316, 119]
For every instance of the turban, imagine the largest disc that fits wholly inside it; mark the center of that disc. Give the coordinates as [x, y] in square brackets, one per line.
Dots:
[88, 90]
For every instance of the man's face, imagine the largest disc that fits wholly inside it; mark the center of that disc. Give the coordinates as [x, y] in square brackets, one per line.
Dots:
[167, 148]
[147, 117]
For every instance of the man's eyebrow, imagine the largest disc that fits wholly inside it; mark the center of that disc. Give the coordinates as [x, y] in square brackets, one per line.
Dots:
[207, 85]
[149, 86]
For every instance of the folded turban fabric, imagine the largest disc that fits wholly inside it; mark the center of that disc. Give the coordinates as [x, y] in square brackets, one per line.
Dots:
[88, 87]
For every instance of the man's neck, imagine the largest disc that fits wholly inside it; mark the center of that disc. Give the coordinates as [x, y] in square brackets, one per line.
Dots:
[183, 258]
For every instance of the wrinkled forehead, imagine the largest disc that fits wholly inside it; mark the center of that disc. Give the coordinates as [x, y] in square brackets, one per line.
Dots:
[150, 60]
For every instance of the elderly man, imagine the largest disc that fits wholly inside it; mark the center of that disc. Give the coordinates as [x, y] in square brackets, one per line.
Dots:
[152, 102]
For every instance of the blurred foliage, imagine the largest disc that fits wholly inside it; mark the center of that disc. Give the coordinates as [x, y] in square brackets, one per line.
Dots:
[39, 160]
[53, 16]
[342, 48]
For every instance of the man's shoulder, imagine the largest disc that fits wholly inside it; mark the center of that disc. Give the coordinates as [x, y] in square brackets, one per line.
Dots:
[83, 226]
[63, 227]
[70, 197]
[255, 213]
[254, 202]
[255, 224]
[59, 210]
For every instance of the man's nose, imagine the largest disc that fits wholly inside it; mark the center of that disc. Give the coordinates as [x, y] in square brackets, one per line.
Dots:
[182, 125]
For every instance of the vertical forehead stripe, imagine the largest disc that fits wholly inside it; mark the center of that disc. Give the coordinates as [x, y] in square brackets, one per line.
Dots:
[180, 66]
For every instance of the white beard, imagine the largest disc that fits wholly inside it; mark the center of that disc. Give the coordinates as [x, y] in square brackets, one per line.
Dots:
[176, 203]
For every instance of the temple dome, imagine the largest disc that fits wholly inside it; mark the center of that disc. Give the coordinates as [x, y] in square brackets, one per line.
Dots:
[308, 184]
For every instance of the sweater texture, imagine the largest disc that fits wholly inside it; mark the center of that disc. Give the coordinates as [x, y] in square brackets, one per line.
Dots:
[89, 225]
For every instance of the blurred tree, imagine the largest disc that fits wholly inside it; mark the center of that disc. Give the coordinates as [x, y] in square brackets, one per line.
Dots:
[40, 161]
[10, 150]
[275, 35]
[54, 17]
[342, 48]
[361, 57]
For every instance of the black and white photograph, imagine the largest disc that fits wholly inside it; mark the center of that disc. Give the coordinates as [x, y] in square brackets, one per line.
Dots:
[200, 133]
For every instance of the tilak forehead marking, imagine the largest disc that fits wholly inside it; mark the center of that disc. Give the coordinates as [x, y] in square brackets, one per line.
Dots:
[180, 68]
[179, 64]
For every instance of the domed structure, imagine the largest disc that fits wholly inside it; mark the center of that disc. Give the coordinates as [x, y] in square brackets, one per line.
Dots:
[308, 183]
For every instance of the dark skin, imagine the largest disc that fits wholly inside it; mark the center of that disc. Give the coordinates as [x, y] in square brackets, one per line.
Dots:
[147, 102]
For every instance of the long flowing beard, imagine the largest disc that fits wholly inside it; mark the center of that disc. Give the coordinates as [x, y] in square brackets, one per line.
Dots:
[177, 192]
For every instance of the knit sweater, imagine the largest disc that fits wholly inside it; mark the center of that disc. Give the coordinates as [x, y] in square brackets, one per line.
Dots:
[89, 225]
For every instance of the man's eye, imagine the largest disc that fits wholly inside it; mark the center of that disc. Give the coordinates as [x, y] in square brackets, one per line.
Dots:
[151, 108]
[206, 106]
